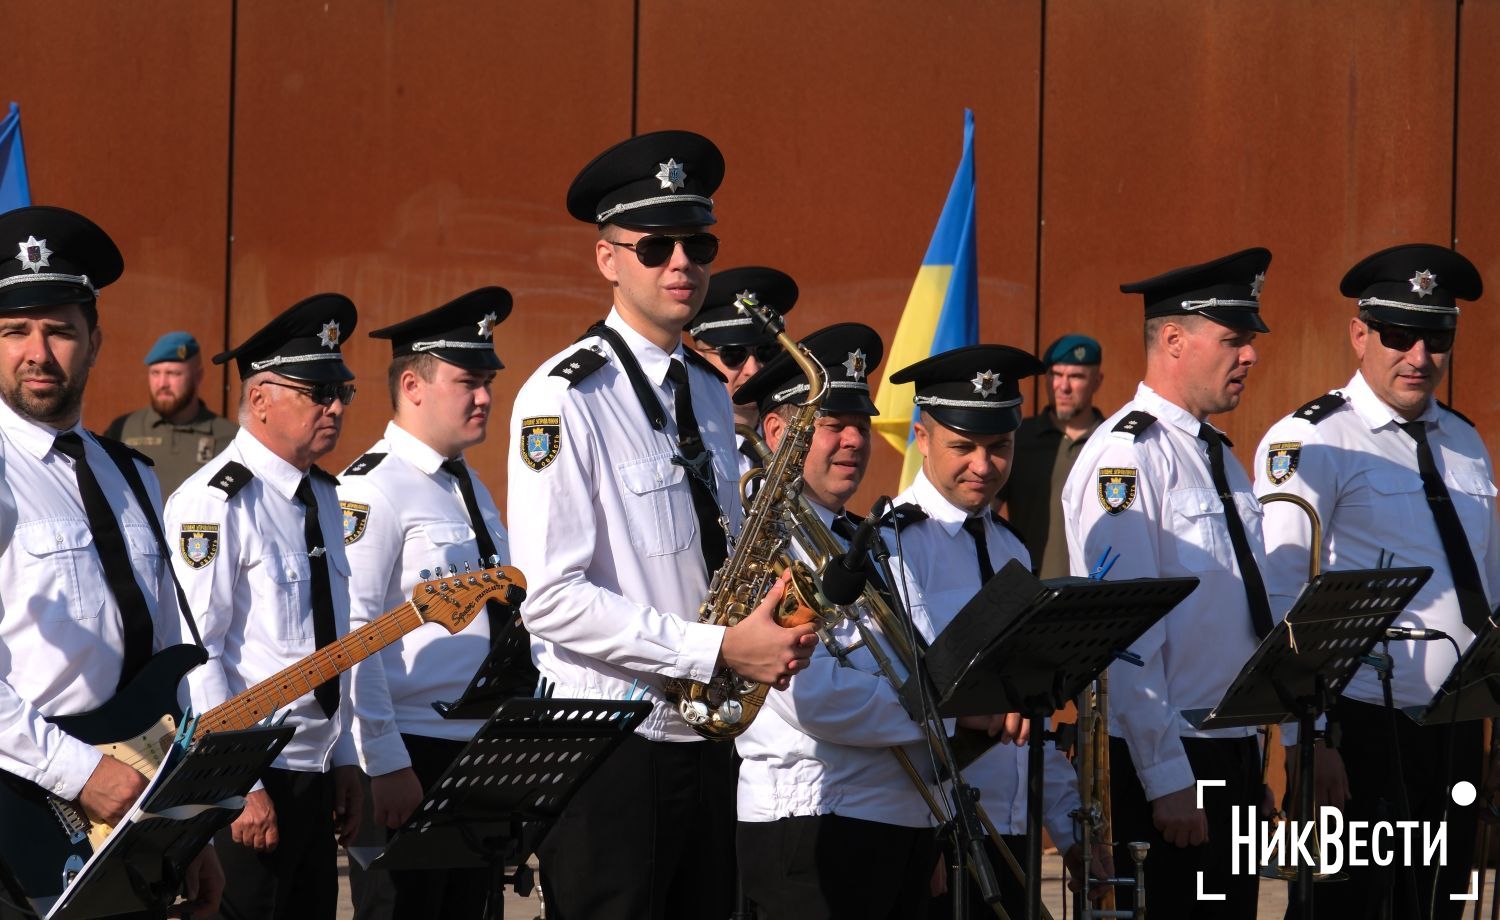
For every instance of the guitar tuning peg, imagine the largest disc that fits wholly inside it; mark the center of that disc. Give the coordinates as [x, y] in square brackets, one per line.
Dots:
[466, 567]
[494, 559]
[452, 570]
[424, 574]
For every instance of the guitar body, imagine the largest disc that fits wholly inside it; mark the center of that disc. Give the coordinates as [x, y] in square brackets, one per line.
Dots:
[45, 841]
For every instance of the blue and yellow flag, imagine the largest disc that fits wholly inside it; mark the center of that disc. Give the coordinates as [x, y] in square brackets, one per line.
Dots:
[942, 311]
[15, 190]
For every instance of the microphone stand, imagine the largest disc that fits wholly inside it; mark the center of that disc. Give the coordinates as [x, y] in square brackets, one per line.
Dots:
[968, 838]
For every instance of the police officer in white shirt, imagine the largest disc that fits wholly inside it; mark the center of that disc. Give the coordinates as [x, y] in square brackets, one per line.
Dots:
[951, 544]
[410, 503]
[622, 489]
[261, 556]
[84, 585]
[1158, 485]
[734, 343]
[1391, 471]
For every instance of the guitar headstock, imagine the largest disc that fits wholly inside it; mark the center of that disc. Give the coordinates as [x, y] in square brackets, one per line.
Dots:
[454, 599]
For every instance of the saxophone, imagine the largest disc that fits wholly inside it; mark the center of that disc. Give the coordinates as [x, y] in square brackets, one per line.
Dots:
[724, 707]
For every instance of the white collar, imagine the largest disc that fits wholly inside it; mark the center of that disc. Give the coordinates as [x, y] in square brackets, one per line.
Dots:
[281, 475]
[653, 360]
[33, 437]
[412, 449]
[1374, 411]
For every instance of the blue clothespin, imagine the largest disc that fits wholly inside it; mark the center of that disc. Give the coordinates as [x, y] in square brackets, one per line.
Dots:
[1105, 563]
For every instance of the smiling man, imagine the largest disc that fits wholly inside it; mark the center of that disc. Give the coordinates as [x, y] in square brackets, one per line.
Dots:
[1389, 469]
[1159, 486]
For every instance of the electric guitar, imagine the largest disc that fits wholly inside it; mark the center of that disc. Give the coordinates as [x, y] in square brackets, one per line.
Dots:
[42, 835]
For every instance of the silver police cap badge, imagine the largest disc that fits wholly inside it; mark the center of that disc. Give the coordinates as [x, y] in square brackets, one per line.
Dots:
[1423, 283]
[33, 254]
[672, 175]
[1256, 284]
[329, 336]
[487, 325]
[986, 383]
[854, 365]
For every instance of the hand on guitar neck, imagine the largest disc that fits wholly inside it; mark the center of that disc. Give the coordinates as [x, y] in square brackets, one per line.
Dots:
[110, 791]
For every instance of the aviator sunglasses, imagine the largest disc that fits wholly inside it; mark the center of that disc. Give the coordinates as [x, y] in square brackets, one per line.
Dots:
[657, 248]
[735, 356]
[1402, 338]
[322, 393]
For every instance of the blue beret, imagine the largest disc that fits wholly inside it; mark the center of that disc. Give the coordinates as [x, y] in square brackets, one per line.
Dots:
[174, 346]
[1073, 349]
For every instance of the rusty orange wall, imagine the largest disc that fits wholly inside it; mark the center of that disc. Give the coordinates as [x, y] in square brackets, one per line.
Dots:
[405, 152]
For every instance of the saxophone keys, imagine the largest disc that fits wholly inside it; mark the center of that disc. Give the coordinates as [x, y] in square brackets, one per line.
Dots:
[731, 712]
[694, 712]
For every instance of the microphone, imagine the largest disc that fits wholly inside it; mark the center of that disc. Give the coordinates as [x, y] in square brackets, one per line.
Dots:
[1402, 632]
[844, 579]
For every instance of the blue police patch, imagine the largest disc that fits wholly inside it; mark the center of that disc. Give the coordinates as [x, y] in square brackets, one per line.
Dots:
[1116, 488]
[541, 439]
[356, 516]
[1281, 460]
[199, 544]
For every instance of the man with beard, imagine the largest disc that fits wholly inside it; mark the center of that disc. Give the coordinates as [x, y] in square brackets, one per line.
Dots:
[261, 556]
[1158, 486]
[177, 431]
[409, 503]
[1047, 444]
[85, 595]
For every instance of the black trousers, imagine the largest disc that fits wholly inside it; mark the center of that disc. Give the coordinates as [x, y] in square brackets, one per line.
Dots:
[298, 880]
[373, 893]
[1372, 749]
[1172, 871]
[1012, 889]
[441, 894]
[649, 836]
[829, 867]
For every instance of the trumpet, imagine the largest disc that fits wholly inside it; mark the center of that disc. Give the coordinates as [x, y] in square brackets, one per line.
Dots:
[815, 540]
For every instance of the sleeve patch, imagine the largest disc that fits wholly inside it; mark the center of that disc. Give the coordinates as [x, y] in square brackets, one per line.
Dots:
[356, 516]
[199, 544]
[1281, 460]
[541, 440]
[1116, 488]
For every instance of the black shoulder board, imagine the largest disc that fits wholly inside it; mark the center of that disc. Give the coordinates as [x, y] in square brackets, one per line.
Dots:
[903, 516]
[232, 478]
[579, 365]
[112, 446]
[694, 358]
[1000, 519]
[1136, 423]
[1461, 416]
[364, 464]
[317, 472]
[1320, 408]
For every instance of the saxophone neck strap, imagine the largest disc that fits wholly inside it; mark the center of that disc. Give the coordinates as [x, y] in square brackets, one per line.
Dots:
[656, 414]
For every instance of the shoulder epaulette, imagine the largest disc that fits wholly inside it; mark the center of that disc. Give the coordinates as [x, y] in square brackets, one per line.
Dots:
[1461, 416]
[579, 365]
[1000, 519]
[364, 464]
[317, 472]
[114, 445]
[1136, 423]
[232, 478]
[1320, 408]
[694, 358]
[903, 516]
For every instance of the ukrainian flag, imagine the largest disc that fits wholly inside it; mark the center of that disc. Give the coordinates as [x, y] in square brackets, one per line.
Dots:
[942, 312]
[15, 190]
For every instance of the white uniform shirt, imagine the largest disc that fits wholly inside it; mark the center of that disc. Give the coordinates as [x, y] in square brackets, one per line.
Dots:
[61, 634]
[820, 746]
[401, 516]
[1165, 519]
[939, 557]
[253, 592]
[606, 534]
[1359, 470]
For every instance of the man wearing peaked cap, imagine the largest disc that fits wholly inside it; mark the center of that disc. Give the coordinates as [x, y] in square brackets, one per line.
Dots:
[85, 597]
[260, 553]
[734, 343]
[819, 791]
[1389, 469]
[1158, 484]
[623, 488]
[411, 501]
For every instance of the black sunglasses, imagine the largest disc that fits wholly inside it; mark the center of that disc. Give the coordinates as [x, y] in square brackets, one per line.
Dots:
[1402, 338]
[321, 393]
[657, 248]
[735, 356]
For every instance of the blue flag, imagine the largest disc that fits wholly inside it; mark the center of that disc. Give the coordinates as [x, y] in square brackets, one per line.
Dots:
[15, 190]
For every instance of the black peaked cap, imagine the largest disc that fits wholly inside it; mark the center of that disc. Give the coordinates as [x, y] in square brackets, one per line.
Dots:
[662, 179]
[303, 343]
[460, 332]
[975, 389]
[1226, 290]
[1415, 284]
[53, 256]
[848, 353]
[721, 323]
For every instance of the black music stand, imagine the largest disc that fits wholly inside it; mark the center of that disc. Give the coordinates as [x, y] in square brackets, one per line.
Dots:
[1304, 664]
[505, 673]
[196, 793]
[497, 799]
[1029, 646]
[1471, 690]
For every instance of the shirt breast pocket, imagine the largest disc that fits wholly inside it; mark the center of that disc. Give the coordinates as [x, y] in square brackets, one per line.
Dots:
[659, 504]
[448, 543]
[291, 575]
[1199, 531]
[143, 546]
[63, 560]
[1474, 498]
[1398, 496]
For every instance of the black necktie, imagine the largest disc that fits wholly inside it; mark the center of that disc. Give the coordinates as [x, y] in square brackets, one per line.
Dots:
[700, 471]
[460, 471]
[326, 693]
[844, 527]
[975, 528]
[109, 543]
[1255, 588]
[1466, 583]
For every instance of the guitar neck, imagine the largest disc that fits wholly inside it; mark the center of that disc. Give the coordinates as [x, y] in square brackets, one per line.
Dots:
[285, 687]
